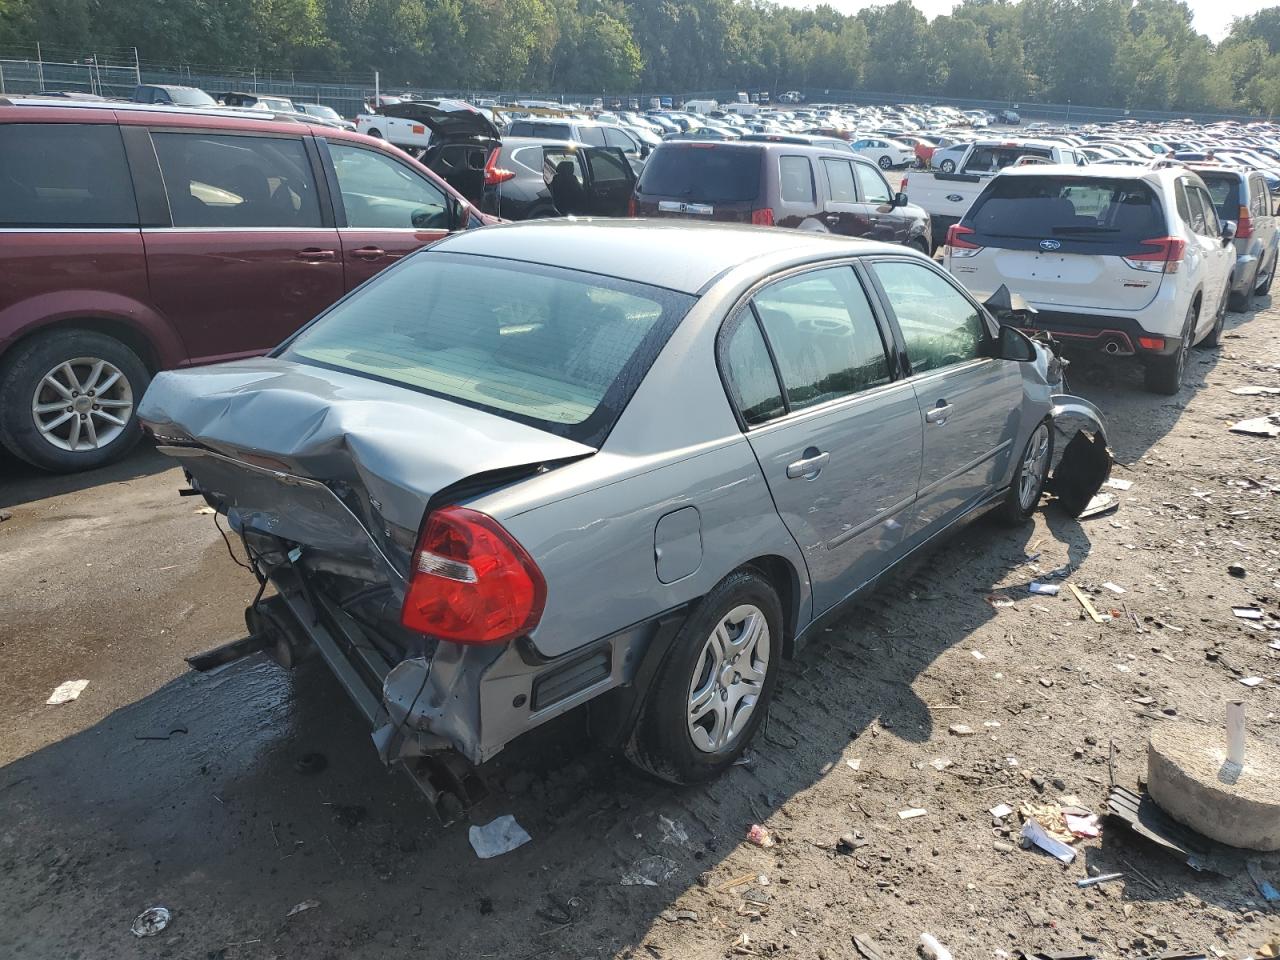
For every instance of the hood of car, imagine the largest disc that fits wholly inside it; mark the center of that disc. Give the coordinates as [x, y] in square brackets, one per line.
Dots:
[447, 119]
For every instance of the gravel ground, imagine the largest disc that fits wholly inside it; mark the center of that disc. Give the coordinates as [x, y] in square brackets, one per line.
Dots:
[159, 787]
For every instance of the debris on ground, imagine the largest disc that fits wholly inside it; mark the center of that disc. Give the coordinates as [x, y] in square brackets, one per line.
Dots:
[673, 831]
[1100, 504]
[652, 871]
[1100, 878]
[302, 907]
[1115, 483]
[760, 836]
[1269, 892]
[66, 692]
[1032, 831]
[1086, 827]
[1114, 588]
[911, 813]
[961, 730]
[1000, 811]
[1252, 681]
[1236, 570]
[850, 842]
[1247, 613]
[931, 949]
[1088, 606]
[150, 922]
[1253, 391]
[1141, 814]
[161, 733]
[6, 515]
[497, 837]
[1046, 589]
[1268, 426]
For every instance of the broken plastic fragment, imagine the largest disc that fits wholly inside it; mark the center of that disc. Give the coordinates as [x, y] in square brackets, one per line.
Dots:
[650, 872]
[497, 837]
[1047, 589]
[1032, 831]
[911, 813]
[1252, 681]
[302, 907]
[1000, 811]
[760, 836]
[150, 922]
[66, 692]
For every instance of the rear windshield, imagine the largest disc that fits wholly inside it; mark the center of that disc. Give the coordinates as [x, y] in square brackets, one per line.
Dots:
[552, 131]
[702, 173]
[1079, 208]
[1225, 190]
[554, 348]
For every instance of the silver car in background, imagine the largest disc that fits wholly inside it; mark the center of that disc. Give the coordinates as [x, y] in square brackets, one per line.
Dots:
[620, 462]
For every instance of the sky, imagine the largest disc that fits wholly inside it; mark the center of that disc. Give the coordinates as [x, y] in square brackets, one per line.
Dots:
[1212, 17]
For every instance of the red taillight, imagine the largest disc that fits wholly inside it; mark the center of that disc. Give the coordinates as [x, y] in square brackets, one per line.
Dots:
[762, 218]
[494, 174]
[1164, 257]
[956, 238]
[472, 582]
[1151, 343]
[1244, 226]
[631, 206]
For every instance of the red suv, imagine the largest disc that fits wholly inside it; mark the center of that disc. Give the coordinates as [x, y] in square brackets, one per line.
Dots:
[138, 238]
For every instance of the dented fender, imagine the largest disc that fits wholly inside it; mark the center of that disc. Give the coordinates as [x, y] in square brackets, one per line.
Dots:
[1083, 463]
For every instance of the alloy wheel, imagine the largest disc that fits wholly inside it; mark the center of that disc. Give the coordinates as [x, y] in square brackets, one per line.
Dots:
[729, 678]
[82, 404]
[1035, 462]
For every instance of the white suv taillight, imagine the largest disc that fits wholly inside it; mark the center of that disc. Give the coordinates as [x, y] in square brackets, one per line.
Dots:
[958, 245]
[1164, 257]
[472, 582]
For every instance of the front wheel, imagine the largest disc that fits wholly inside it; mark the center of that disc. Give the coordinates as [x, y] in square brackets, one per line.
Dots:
[711, 694]
[947, 166]
[1029, 477]
[68, 400]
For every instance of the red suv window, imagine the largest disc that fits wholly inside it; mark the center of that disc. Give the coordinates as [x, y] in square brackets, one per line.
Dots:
[64, 175]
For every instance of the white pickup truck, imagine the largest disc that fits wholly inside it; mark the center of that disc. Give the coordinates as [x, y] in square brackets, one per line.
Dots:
[946, 196]
[406, 132]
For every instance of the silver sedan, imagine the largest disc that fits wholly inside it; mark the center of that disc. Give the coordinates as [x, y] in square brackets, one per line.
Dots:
[620, 462]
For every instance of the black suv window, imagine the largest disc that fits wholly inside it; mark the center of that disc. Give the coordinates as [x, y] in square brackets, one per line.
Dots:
[64, 175]
[592, 135]
[228, 181]
[795, 177]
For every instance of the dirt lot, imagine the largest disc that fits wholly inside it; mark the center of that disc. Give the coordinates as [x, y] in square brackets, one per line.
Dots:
[113, 578]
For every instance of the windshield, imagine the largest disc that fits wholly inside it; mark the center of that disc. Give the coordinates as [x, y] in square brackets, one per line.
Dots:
[550, 347]
[703, 174]
[1074, 207]
[320, 110]
[191, 97]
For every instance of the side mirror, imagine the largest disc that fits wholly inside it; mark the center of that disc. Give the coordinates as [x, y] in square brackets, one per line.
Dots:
[1013, 344]
[899, 199]
[1228, 231]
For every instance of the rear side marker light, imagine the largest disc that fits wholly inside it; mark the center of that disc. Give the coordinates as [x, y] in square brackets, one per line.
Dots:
[762, 218]
[471, 581]
[1151, 343]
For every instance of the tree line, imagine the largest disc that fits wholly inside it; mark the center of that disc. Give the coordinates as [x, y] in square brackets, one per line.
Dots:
[1118, 53]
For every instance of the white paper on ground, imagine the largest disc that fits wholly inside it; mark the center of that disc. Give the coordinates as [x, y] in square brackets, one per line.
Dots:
[1048, 589]
[68, 691]
[501, 836]
[1035, 833]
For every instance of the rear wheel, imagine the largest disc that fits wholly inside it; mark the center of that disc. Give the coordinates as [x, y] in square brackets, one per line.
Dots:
[711, 694]
[1214, 336]
[947, 166]
[886, 163]
[1264, 286]
[68, 400]
[1164, 374]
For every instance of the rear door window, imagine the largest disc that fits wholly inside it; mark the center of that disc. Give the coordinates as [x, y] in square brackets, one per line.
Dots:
[748, 372]
[551, 347]
[840, 180]
[1209, 223]
[1225, 193]
[607, 167]
[233, 181]
[795, 180]
[824, 336]
[616, 138]
[64, 175]
[940, 326]
[702, 173]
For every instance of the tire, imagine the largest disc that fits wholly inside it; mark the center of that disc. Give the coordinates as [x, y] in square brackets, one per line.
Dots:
[38, 375]
[886, 163]
[668, 741]
[1214, 337]
[947, 166]
[1033, 467]
[1164, 374]
[919, 244]
[376, 133]
[1264, 288]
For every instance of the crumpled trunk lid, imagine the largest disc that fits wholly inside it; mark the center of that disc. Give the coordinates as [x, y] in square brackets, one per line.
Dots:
[333, 461]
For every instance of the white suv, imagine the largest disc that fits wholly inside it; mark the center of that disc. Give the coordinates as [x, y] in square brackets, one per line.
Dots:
[1130, 261]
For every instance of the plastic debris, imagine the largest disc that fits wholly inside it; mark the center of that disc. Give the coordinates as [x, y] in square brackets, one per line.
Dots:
[1269, 892]
[1083, 826]
[1101, 878]
[1000, 811]
[940, 763]
[1114, 588]
[1247, 613]
[150, 922]
[961, 730]
[1100, 504]
[760, 836]
[978, 655]
[1031, 830]
[652, 871]
[66, 692]
[497, 837]
[854, 764]
[931, 949]
[302, 907]
[911, 813]
[1047, 589]
[673, 831]
[1252, 391]
[1115, 483]
[1252, 681]
[1258, 426]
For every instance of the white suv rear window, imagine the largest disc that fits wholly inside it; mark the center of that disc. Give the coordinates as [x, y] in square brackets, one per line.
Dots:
[1089, 209]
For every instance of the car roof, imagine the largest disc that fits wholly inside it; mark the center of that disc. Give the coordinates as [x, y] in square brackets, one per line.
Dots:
[1111, 172]
[681, 255]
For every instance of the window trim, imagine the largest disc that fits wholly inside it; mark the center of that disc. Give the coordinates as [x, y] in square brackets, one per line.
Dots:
[989, 327]
[746, 303]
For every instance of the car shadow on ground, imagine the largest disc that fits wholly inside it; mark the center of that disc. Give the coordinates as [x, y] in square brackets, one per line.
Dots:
[196, 798]
[25, 484]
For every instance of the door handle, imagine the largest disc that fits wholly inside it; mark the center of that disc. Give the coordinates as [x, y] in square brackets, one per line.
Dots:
[832, 219]
[369, 253]
[809, 466]
[939, 413]
[316, 255]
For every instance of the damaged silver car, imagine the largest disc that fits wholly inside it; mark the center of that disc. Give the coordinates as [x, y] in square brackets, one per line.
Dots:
[619, 463]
